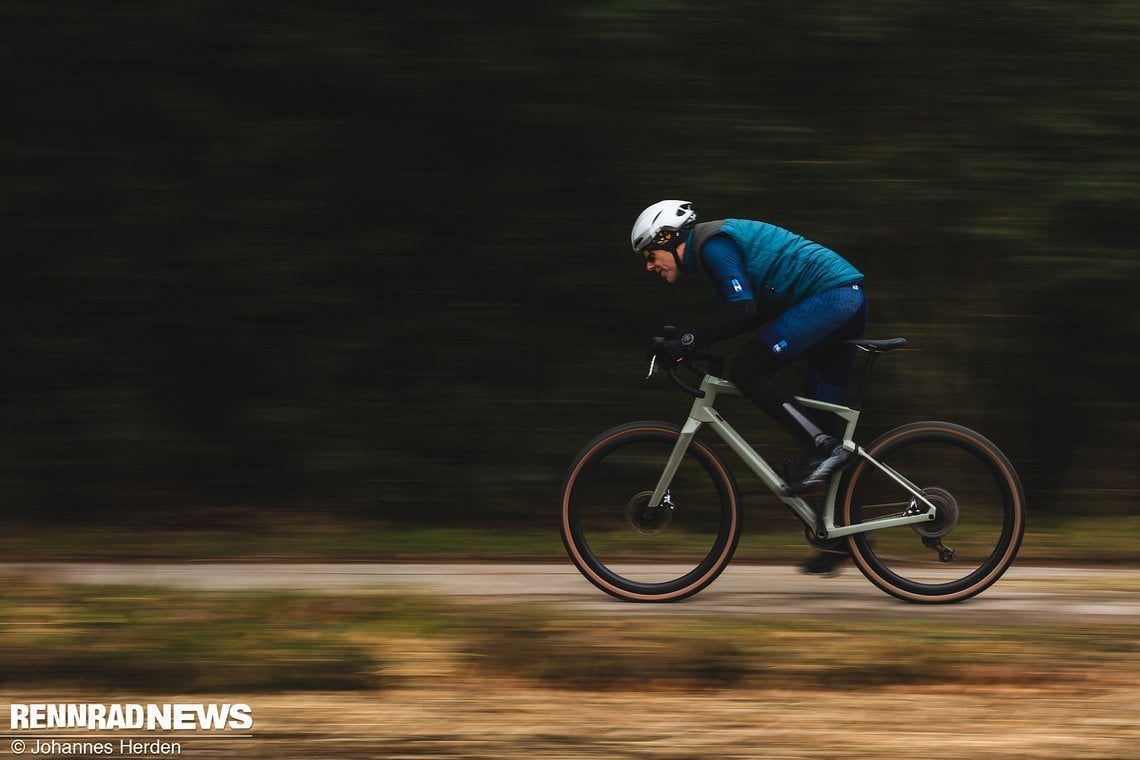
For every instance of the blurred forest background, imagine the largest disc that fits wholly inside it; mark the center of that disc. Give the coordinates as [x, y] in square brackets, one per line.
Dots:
[372, 261]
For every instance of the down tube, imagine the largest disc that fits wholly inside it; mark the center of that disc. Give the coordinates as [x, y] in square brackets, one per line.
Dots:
[679, 448]
[761, 468]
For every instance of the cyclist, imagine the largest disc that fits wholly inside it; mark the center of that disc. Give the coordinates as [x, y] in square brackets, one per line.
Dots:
[804, 298]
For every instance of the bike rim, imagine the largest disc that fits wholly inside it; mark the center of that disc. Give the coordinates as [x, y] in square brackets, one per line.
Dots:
[979, 521]
[631, 553]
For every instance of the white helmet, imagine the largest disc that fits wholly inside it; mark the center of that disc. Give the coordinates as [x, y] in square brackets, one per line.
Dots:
[658, 225]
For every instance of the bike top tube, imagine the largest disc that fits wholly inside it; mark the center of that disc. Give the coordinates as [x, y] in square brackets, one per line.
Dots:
[872, 347]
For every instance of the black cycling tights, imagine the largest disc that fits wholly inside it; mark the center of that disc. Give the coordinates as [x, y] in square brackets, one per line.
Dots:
[752, 378]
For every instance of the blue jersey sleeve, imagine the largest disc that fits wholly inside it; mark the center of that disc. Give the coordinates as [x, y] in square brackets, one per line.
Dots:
[724, 267]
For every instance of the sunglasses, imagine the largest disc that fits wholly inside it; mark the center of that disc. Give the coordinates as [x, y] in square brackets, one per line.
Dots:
[658, 242]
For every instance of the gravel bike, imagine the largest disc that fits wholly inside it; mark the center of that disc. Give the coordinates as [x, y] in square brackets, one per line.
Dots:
[930, 512]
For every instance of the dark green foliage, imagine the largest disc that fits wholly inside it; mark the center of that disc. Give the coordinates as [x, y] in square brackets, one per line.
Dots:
[342, 256]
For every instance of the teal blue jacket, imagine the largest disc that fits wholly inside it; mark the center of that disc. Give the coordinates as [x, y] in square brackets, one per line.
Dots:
[781, 267]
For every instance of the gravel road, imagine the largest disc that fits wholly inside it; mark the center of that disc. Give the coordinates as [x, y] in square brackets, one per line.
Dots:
[1026, 592]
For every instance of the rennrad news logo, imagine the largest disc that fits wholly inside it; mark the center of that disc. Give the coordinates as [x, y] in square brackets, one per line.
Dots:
[115, 717]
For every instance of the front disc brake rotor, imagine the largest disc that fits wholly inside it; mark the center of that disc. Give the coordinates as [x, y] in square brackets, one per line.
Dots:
[645, 519]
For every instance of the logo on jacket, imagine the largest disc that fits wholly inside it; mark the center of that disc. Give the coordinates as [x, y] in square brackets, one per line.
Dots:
[779, 347]
[736, 286]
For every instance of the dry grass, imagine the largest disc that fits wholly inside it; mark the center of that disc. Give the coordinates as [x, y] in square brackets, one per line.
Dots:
[416, 677]
[503, 720]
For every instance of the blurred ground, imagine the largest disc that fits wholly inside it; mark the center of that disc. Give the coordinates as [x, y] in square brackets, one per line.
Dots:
[461, 719]
[501, 720]
[511, 661]
[1026, 592]
[481, 720]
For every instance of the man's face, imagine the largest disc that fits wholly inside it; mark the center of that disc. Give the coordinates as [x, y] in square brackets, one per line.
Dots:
[663, 263]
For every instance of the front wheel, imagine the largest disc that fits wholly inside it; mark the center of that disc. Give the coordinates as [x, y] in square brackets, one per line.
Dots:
[979, 520]
[640, 551]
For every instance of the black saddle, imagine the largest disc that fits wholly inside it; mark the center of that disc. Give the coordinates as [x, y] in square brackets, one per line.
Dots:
[877, 346]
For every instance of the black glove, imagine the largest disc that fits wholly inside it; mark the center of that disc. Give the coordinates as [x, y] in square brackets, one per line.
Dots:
[673, 350]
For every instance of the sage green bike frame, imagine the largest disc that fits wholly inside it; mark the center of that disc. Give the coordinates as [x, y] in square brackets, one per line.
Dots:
[824, 527]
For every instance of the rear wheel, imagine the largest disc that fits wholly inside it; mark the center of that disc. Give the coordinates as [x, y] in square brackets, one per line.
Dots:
[640, 551]
[980, 513]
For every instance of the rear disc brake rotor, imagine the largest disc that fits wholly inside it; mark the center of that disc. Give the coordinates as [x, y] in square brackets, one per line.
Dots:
[946, 513]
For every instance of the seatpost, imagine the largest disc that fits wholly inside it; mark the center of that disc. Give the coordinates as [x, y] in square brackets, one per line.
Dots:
[864, 376]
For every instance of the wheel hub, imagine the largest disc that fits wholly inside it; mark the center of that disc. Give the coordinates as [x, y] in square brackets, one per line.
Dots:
[945, 513]
[648, 519]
